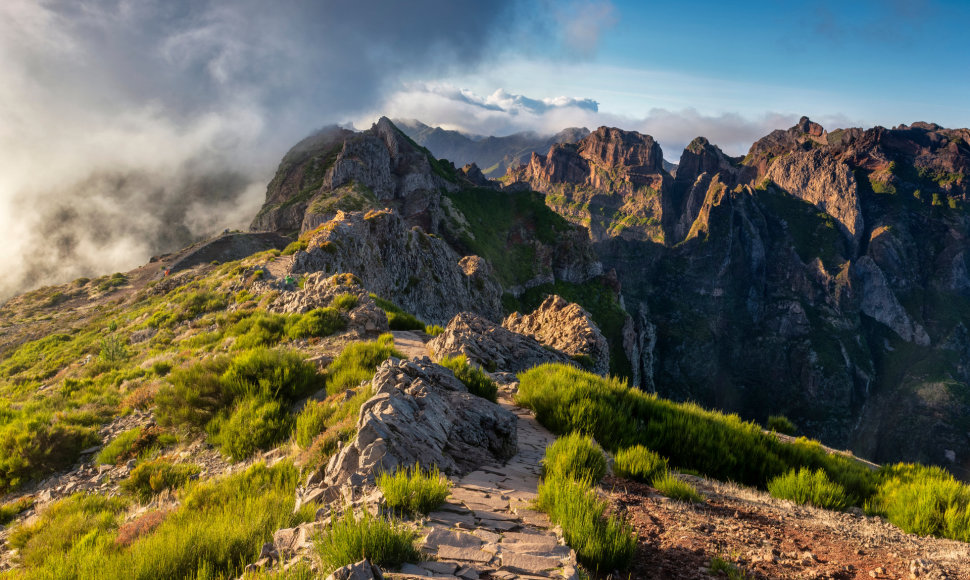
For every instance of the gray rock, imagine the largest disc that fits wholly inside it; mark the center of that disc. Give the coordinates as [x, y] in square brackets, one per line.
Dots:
[564, 326]
[421, 413]
[879, 302]
[419, 272]
[492, 346]
[362, 570]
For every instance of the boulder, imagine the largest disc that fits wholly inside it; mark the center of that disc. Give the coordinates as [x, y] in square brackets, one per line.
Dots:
[362, 570]
[491, 346]
[564, 326]
[421, 413]
[319, 290]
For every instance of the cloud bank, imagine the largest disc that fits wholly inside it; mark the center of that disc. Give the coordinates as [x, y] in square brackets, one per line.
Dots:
[131, 127]
[502, 113]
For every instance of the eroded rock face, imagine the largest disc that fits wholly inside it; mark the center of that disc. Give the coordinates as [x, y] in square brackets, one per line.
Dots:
[491, 346]
[564, 326]
[826, 183]
[419, 272]
[420, 413]
[611, 181]
[879, 302]
[319, 291]
[338, 169]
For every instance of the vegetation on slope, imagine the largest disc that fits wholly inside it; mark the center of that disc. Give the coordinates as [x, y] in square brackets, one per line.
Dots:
[919, 499]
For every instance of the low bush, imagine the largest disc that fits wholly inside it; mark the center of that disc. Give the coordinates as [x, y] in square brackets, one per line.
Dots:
[719, 565]
[805, 486]
[344, 302]
[255, 423]
[285, 374]
[357, 363]
[317, 322]
[574, 456]
[294, 247]
[127, 445]
[311, 422]
[433, 329]
[12, 509]
[258, 328]
[193, 395]
[720, 446]
[349, 539]
[781, 424]
[639, 463]
[152, 477]
[218, 529]
[397, 318]
[477, 380]
[923, 500]
[64, 524]
[601, 543]
[138, 527]
[413, 491]
[668, 484]
[34, 445]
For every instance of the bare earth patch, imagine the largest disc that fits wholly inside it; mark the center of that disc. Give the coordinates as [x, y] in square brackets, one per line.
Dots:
[770, 538]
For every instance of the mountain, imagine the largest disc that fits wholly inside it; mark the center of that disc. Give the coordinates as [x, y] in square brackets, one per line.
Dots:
[407, 355]
[823, 276]
[493, 154]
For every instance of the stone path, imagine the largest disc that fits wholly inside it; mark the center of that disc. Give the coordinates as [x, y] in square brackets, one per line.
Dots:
[487, 529]
[410, 344]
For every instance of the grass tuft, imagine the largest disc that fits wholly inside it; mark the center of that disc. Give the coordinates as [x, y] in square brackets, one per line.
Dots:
[350, 539]
[668, 485]
[805, 486]
[477, 380]
[413, 491]
[574, 456]
[639, 463]
[357, 363]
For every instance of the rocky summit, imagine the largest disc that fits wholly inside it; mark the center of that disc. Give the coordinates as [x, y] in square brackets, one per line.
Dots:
[566, 358]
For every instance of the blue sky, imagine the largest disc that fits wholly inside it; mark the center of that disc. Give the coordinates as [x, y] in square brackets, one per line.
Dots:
[843, 63]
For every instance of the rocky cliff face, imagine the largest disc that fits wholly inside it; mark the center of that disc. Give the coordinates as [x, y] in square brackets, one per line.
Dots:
[419, 272]
[612, 181]
[337, 169]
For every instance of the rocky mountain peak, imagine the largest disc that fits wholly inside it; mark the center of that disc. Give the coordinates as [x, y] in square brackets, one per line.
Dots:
[612, 147]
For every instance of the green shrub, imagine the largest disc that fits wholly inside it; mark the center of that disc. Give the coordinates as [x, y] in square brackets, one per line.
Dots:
[781, 424]
[12, 509]
[413, 491]
[805, 486]
[33, 446]
[668, 485]
[348, 540]
[311, 422]
[294, 247]
[601, 543]
[317, 322]
[65, 524]
[119, 447]
[724, 447]
[923, 500]
[357, 363]
[639, 463]
[217, 530]
[433, 329]
[255, 423]
[113, 350]
[733, 572]
[195, 304]
[193, 395]
[397, 318]
[258, 328]
[477, 380]
[283, 373]
[344, 302]
[574, 456]
[151, 477]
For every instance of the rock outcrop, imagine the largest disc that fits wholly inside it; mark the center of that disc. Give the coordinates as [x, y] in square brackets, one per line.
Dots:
[337, 169]
[824, 182]
[319, 291]
[611, 181]
[419, 272]
[421, 413]
[492, 347]
[566, 327]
